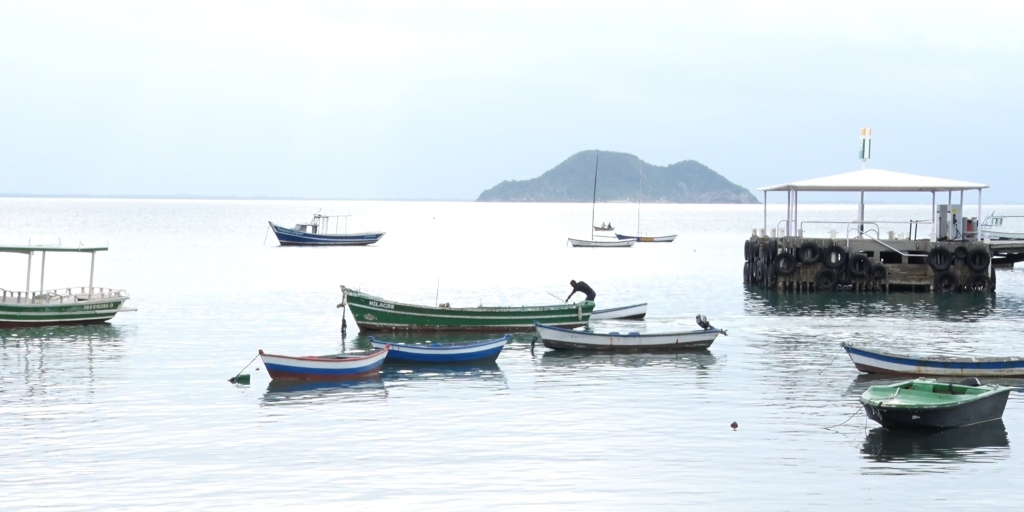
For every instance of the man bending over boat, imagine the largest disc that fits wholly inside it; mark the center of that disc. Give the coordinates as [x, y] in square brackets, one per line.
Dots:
[582, 288]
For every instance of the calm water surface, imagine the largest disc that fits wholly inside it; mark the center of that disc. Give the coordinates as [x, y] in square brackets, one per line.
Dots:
[139, 413]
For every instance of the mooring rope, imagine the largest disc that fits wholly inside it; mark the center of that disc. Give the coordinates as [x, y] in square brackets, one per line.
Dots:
[832, 361]
[232, 379]
[859, 408]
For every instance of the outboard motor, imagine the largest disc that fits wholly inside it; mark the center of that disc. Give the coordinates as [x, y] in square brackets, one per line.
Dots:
[702, 321]
[970, 381]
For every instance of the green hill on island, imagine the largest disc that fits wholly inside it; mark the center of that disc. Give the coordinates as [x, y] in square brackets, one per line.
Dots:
[618, 179]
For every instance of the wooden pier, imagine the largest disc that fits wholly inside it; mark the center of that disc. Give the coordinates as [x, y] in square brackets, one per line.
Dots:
[799, 264]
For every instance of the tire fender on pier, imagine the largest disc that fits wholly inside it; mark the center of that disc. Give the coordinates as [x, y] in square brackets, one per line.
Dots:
[834, 257]
[826, 279]
[978, 282]
[859, 265]
[939, 258]
[785, 264]
[809, 252]
[946, 281]
[978, 259]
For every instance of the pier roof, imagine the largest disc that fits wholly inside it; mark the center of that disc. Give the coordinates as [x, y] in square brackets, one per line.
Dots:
[876, 180]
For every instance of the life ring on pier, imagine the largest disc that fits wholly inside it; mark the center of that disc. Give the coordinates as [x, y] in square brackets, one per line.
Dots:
[826, 279]
[978, 282]
[785, 264]
[960, 253]
[809, 252]
[939, 258]
[978, 259]
[834, 257]
[859, 265]
[877, 272]
[946, 281]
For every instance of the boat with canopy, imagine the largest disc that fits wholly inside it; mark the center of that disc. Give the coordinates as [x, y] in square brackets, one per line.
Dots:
[62, 306]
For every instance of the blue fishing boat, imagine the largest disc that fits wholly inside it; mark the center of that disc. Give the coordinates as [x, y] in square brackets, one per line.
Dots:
[453, 352]
[880, 362]
[319, 232]
[330, 367]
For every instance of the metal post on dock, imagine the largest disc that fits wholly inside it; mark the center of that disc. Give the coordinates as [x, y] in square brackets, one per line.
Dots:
[42, 271]
[28, 275]
[92, 269]
[934, 236]
[765, 212]
[796, 212]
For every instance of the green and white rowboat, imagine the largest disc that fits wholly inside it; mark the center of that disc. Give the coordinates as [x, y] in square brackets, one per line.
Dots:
[373, 313]
[80, 305]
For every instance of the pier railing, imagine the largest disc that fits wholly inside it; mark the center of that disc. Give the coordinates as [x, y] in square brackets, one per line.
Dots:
[856, 228]
[61, 295]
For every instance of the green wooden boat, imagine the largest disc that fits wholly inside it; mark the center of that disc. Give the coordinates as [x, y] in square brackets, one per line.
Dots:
[64, 306]
[927, 404]
[373, 313]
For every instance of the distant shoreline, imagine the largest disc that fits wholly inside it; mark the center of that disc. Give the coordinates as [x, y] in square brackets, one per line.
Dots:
[263, 198]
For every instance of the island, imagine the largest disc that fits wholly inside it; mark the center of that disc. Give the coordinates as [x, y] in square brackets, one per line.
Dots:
[619, 180]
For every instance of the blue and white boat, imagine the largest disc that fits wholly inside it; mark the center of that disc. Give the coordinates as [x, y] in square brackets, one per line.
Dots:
[634, 312]
[876, 361]
[319, 232]
[453, 352]
[331, 367]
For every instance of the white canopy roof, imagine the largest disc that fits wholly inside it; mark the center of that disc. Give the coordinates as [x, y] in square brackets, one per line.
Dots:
[877, 180]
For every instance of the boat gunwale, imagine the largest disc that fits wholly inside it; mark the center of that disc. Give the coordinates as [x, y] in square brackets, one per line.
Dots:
[948, 400]
[328, 236]
[348, 292]
[330, 358]
[447, 346]
[631, 334]
[936, 361]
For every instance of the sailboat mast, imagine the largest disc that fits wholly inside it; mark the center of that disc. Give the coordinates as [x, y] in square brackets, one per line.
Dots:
[593, 204]
[638, 199]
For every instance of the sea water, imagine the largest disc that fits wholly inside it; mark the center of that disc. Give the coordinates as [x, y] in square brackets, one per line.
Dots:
[139, 412]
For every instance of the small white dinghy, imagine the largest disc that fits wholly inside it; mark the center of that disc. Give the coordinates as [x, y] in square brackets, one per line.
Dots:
[633, 312]
[569, 339]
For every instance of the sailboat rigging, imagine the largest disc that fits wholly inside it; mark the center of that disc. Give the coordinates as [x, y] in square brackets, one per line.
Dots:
[638, 237]
[593, 205]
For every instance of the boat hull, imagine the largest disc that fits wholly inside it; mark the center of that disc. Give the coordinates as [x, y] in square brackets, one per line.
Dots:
[477, 351]
[286, 236]
[872, 361]
[915, 410]
[373, 313]
[61, 313]
[568, 339]
[634, 312]
[335, 367]
[601, 243]
[666, 238]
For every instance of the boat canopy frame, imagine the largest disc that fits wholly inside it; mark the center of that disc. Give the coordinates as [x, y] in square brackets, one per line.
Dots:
[866, 180]
[321, 225]
[29, 250]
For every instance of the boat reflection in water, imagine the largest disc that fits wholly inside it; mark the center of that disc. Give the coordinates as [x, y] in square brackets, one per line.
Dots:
[700, 359]
[983, 442]
[295, 392]
[469, 375]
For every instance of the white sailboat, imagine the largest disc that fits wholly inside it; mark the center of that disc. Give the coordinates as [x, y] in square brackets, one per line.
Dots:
[639, 237]
[575, 242]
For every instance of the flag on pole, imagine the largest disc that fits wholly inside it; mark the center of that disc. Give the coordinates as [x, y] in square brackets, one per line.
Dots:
[865, 144]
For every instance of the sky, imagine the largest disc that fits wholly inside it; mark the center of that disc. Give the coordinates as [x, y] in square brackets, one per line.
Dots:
[441, 100]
